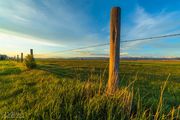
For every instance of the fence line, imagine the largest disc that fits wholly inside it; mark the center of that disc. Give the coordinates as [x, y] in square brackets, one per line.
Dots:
[123, 41]
[105, 44]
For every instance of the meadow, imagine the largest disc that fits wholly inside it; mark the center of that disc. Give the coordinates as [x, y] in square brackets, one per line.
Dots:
[75, 89]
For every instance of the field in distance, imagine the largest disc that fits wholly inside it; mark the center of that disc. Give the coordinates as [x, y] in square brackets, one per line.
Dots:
[75, 89]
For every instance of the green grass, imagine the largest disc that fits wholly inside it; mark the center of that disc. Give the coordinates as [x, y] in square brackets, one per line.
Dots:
[75, 89]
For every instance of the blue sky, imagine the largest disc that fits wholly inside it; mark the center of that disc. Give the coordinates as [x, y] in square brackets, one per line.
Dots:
[56, 25]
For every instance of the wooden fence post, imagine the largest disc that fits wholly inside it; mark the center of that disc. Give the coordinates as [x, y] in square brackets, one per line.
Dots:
[114, 50]
[21, 57]
[31, 52]
[17, 58]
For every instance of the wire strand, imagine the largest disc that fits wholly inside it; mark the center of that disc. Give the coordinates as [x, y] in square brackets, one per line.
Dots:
[151, 38]
[123, 41]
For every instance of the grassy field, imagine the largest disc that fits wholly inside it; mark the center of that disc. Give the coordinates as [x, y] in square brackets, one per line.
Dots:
[75, 89]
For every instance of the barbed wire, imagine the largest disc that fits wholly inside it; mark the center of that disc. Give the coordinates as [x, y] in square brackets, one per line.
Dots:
[123, 41]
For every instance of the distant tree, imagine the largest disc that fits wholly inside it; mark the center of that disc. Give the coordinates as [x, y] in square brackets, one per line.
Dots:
[30, 62]
[3, 57]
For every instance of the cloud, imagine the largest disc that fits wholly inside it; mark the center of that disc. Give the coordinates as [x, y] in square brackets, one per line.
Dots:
[53, 20]
[46, 25]
[145, 24]
[92, 53]
[13, 43]
[21, 38]
[61, 23]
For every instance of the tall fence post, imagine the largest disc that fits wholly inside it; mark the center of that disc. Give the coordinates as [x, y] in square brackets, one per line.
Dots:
[115, 24]
[22, 57]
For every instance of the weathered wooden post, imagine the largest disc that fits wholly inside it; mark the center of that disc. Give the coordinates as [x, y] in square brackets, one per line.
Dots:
[21, 57]
[17, 58]
[114, 50]
[31, 52]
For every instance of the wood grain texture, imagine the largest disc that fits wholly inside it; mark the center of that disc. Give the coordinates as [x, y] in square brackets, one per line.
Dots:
[114, 50]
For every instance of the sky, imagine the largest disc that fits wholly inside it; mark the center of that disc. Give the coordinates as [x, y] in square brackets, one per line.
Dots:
[52, 26]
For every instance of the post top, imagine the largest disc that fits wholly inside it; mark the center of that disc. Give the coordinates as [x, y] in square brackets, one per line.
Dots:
[116, 7]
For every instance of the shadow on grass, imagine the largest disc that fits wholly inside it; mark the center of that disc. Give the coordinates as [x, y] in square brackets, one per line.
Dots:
[57, 70]
[80, 73]
[10, 71]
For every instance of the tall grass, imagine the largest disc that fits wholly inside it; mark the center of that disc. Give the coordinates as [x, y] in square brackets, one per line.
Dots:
[43, 94]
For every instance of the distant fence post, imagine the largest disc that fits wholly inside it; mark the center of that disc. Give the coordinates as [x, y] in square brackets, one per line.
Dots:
[21, 57]
[17, 58]
[114, 50]
[31, 52]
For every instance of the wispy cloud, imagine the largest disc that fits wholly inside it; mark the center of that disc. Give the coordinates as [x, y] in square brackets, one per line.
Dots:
[13, 43]
[22, 38]
[65, 24]
[145, 24]
[95, 54]
[53, 24]
[53, 20]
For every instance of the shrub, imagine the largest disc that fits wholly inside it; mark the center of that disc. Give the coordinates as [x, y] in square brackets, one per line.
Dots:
[30, 62]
